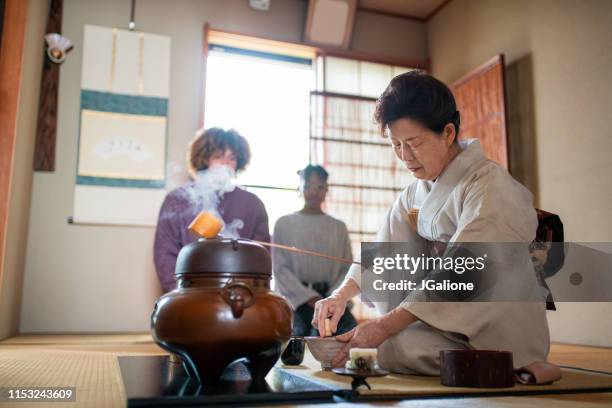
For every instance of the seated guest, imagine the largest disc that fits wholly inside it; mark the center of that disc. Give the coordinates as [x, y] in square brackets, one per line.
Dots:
[213, 158]
[305, 279]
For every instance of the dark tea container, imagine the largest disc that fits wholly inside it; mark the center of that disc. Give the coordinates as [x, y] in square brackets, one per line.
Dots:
[294, 352]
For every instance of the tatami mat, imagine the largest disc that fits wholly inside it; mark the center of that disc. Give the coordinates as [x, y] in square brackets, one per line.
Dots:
[42, 339]
[94, 374]
[89, 363]
[412, 385]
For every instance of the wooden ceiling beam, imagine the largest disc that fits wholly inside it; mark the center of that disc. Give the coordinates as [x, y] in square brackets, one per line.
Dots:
[391, 14]
[405, 16]
[437, 10]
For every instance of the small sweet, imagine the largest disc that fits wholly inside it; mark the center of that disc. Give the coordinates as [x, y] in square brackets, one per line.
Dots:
[327, 329]
[363, 358]
[206, 225]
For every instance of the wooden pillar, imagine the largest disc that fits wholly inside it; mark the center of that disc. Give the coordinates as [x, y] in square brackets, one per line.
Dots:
[13, 36]
[46, 126]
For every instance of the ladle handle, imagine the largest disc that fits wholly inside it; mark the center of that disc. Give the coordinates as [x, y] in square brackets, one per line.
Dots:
[303, 251]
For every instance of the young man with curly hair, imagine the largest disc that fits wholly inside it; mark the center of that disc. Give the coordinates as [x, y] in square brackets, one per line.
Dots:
[213, 158]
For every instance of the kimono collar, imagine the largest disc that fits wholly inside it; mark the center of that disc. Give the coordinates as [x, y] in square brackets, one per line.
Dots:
[439, 190]
[471, 152]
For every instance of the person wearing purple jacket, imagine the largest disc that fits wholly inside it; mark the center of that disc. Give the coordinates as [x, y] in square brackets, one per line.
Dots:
[213, 159]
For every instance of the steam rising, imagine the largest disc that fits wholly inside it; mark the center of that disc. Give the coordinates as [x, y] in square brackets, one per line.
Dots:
[208, 190]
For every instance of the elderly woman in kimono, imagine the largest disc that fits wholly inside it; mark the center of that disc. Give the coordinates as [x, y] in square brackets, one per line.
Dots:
[462, 197]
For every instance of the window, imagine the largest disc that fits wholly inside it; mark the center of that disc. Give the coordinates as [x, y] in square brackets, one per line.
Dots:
[366, 177]
[266, 97]
[356, 78]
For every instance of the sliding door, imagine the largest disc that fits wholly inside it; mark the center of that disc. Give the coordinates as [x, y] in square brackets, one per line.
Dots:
[481, 100]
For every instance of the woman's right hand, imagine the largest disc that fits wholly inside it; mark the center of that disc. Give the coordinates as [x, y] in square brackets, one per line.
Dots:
[331, 307]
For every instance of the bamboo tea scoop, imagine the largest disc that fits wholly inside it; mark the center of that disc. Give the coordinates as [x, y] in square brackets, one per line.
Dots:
[207, 225]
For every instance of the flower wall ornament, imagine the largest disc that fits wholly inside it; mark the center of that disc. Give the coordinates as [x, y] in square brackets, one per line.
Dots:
[57, 47]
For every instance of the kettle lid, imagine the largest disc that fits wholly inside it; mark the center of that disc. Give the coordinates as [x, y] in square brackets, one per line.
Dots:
[224, 255]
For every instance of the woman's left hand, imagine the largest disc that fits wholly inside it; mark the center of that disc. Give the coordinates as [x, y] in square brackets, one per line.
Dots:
[369, 334]
[373, 333]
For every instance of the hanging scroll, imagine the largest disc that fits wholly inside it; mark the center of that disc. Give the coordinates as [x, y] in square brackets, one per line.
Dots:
[123, 124]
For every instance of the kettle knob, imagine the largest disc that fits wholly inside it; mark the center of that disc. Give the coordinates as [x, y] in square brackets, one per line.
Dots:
[233, 294]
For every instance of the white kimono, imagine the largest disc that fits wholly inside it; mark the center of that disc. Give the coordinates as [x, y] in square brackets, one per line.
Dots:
[473, 200]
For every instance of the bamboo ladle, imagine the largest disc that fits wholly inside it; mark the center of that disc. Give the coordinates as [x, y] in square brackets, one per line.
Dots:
[207, 225]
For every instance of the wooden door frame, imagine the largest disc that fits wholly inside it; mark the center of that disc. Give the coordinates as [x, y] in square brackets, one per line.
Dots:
[13, 38]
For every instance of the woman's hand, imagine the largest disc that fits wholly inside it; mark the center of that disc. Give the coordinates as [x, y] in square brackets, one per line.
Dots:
[313, 301]
[333, 307]
[368, 334]
[373, 333]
